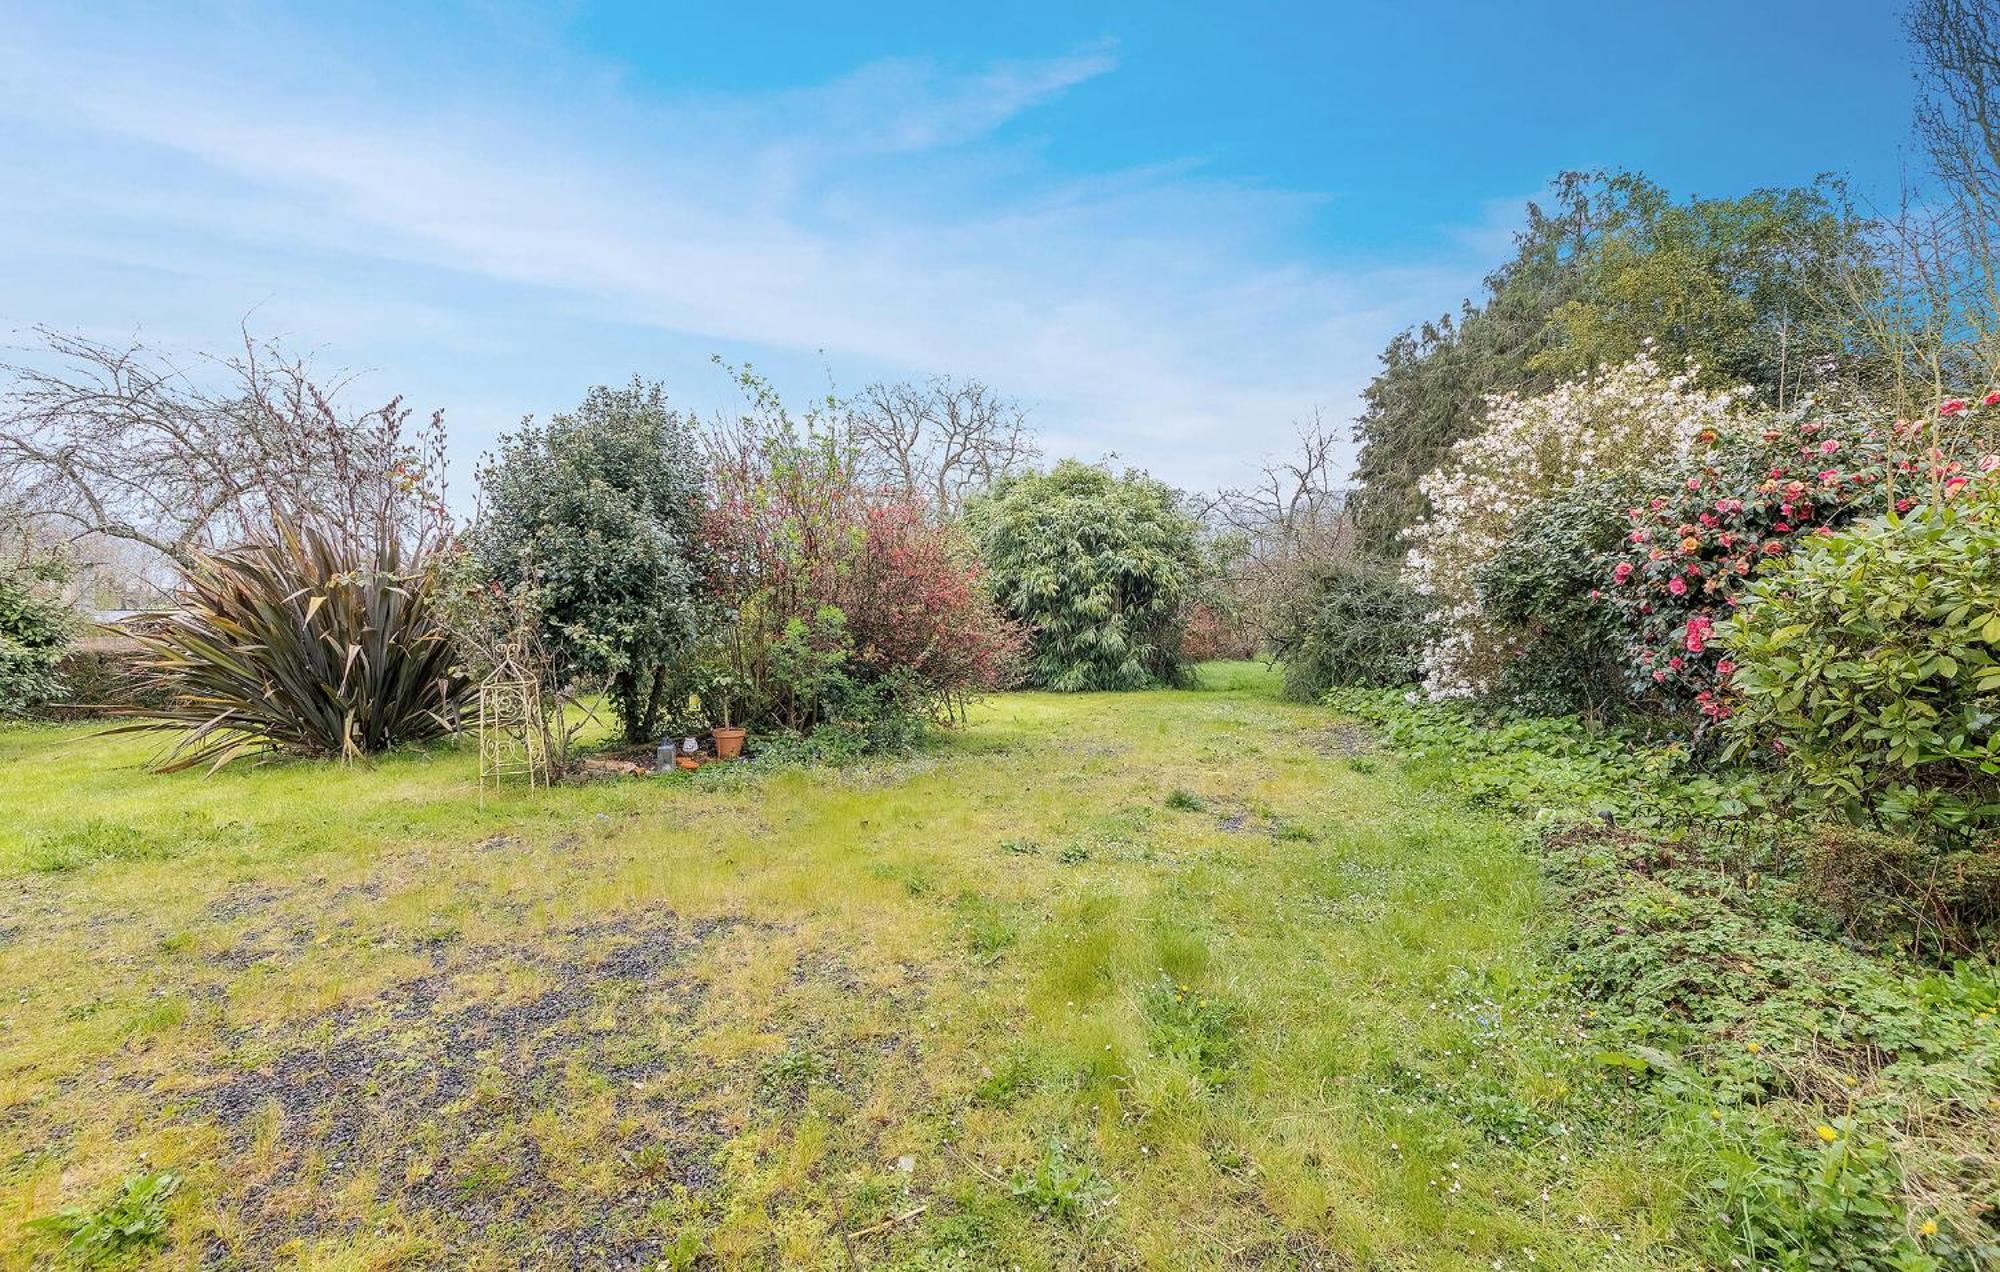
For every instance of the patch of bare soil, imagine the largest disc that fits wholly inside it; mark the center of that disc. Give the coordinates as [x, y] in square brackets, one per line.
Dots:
[433, 1088]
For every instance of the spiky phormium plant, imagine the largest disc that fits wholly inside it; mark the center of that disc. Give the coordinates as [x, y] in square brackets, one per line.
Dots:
[327, 645]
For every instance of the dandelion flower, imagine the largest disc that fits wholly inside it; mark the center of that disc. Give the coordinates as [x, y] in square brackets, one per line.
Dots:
[1828, 1134]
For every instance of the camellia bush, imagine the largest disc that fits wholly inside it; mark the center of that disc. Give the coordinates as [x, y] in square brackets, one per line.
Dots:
[1101, 569]
[1530, 451]
[1739, 504]
[1869, 659]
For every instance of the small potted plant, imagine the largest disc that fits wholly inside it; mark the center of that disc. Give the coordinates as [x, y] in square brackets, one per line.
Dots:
[728, 737]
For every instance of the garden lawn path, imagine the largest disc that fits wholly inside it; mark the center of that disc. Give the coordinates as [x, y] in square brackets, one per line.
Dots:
[1173, 979]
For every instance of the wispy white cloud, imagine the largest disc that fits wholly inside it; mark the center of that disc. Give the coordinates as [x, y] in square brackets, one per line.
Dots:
[885, 217]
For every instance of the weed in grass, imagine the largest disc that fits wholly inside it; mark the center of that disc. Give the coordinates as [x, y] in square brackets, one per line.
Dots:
[1073, 853]
[1185, 801]
[789, 1073]
[118, 1231]
[1020, 847]
[1061, 1187]
[1008, 1078]
[988, 928]
[1198, 1030]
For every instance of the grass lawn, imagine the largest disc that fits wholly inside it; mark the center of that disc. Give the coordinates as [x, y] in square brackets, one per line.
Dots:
[1156, 980]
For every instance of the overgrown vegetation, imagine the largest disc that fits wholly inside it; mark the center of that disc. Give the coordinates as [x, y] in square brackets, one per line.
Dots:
[1834, 1102]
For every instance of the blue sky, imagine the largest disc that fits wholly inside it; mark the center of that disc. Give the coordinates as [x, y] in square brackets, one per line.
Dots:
[1170, 229]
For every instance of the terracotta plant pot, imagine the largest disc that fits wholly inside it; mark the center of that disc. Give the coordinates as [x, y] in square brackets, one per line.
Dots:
[729, 743]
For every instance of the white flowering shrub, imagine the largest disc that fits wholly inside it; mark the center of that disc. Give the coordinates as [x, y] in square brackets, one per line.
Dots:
[1623, 417]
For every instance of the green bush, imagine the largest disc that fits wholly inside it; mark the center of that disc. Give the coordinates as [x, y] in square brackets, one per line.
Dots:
[36, 628]
[310, 645]
[1871, 663]
[602, 510]
[1100, 567]
[1358, 624]
[1543, 584]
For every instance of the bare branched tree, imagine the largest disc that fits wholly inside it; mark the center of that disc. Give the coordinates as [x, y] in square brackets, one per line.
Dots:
[125, 443]
[1292, 518]
[1930, 306]
[941, 440]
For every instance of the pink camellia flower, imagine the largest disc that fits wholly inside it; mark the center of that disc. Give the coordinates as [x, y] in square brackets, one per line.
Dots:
[1830, 476]
[1675, 662]
[1905, 504]
[1623, 572]
[1955, 485]
[1991, 399]
[1694, 483]
[1658, 503]
[1829, 446]
[1659, 677]
[1596, 595]
[1783, 527]
[1953, 407]
[1696, 638]
[1987, 463]
[1677, 585]
[1773, 548]
[1729, 507]
[1725, 668]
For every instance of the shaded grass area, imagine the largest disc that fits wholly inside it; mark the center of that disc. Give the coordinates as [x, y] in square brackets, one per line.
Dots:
[1168, 980]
